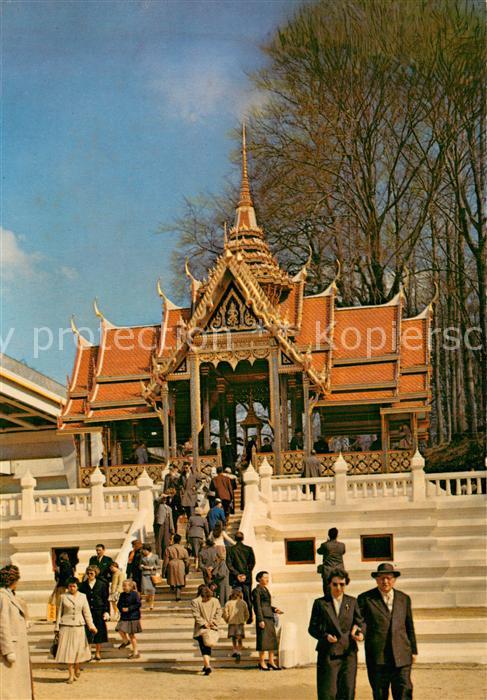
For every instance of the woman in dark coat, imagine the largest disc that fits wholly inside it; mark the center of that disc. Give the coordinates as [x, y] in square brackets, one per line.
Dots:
[128, 626]
[264, 619]
[97, 594]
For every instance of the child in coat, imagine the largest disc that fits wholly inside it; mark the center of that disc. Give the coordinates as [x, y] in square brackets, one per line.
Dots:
[236, 614]
[129, 604]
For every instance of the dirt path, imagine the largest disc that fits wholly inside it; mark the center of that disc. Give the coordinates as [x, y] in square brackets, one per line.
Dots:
[449, 683]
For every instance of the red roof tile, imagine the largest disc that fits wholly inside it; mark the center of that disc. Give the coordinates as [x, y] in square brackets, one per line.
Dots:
[414, 343]
[365, 331]
[363, 374]
[359, 395]
[84, 364]
[126, 351]
[289, 308]
[410, 383]
[128, 411]
[315, 321]
[169, 336]
[74, 407]
[116, 391]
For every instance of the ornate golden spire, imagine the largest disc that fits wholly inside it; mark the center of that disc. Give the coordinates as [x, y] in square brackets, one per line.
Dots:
[245, 196]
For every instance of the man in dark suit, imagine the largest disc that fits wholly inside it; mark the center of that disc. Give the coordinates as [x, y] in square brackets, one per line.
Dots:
[241, 563]
[337, 624]
[390, 644]
[332, 552]
[103, 563]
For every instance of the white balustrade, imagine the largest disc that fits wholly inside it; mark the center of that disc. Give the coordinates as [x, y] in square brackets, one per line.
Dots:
[298, 489]
[379, 486]
[456, 484]
[10, 506]
[121, 498]
[61, 501]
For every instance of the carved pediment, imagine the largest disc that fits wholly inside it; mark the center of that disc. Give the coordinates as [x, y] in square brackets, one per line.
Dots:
[232, 314]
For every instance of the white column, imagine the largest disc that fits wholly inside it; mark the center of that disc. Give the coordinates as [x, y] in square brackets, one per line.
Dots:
[146, 500]
[265, 473]
[28, 484]
[340, 467]
[97, 480]
[251, 485]
[418, 476]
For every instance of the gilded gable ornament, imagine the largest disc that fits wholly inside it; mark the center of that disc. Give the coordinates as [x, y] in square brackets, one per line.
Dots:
[233, 314]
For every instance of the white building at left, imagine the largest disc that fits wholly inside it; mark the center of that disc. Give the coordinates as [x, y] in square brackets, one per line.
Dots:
[30, 404]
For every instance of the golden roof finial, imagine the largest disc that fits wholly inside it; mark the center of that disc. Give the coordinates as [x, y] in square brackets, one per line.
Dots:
[245, 198]
[97, 310]
[225, 239]
[74, 328]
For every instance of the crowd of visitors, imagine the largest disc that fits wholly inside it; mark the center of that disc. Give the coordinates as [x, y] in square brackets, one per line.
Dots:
[84, 604]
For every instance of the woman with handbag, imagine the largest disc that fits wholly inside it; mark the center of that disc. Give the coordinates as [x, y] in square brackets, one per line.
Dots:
[176, 566]
[96, 592]
[149, 564]
[207, 614]
[72, 644]
[265, 623]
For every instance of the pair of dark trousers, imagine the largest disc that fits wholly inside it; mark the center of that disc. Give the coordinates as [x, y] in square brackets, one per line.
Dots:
[385, 676]
[335, 678]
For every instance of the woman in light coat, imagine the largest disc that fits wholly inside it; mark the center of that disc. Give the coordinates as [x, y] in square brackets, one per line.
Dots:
[15, 673]
[149, 565]
[176, 566]
[116, 587]
[73, 614]
[207, 614]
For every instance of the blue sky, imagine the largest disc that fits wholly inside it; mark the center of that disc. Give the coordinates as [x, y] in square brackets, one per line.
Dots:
[112, 112]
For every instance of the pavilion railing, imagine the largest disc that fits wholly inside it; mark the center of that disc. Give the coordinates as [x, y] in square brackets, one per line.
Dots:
[127, 474]
[123, 474]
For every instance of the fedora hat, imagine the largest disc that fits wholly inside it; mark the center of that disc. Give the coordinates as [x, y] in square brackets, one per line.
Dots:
[385, 568]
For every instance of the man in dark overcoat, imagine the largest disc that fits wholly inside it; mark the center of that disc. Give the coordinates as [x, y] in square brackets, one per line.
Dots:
[390, 643]
[103, 563]
[332, 552]
[241, 563]
[337, 624]
[163, 525]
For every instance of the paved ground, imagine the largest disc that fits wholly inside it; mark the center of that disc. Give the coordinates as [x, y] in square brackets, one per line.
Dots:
[447, 683]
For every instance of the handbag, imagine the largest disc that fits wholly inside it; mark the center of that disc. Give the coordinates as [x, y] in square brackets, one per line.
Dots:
[54, 646]
[210, 637]
[157, 580]
[51, 612]
[89, 635]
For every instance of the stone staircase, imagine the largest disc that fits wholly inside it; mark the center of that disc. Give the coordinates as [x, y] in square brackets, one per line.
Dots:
[167, 639]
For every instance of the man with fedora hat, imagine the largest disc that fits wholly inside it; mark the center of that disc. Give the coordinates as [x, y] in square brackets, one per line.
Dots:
[390, 642]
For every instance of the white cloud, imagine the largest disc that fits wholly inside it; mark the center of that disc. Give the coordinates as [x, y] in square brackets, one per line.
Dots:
[15, 260]
[69, 272]
[195, 91]
[16, 263]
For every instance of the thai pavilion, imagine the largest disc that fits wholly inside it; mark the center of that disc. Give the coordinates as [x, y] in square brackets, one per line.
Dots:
[252, 355]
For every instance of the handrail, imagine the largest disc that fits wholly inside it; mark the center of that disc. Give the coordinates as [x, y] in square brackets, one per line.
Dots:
[135, 532]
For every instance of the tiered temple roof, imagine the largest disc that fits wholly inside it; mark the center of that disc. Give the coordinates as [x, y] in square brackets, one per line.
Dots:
[355, 355]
